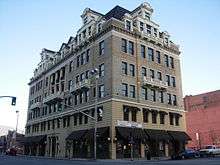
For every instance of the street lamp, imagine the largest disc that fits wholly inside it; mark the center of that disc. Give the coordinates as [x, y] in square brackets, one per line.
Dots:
[95, 74]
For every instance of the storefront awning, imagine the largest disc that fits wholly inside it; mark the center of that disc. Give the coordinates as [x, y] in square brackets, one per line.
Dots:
[157, 135]
[179, 136]
[101, 132]
[76, 135]
[34, 139]
[127, 133]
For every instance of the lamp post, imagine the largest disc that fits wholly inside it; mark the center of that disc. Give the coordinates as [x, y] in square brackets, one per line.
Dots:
[95, 73]
[17, 112]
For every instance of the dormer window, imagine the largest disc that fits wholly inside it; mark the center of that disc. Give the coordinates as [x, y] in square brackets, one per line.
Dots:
[147, 15]
[84, 34]
[155, 32]
[99, 27]
[128, 25]
[141, 26]
[148, 29]
[89, 30]
[85, 20]
[166, 40]
[79, 37]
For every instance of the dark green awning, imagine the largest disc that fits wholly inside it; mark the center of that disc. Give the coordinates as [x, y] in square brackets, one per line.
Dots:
[127, 133]
[179, 135]
[76, 135]
[157, 135]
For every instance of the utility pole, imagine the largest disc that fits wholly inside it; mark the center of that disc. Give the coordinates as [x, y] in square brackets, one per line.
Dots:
[96, 101]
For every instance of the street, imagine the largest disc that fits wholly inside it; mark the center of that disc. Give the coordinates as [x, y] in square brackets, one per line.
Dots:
[22, 160]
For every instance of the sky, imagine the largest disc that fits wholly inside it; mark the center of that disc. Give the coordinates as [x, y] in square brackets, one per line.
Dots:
[27, 26]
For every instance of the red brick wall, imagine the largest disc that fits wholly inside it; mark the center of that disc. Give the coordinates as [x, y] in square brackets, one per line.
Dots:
[203, 117]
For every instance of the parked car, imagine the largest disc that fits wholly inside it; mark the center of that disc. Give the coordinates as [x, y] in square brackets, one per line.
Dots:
[11, 151]
[209, 150]
[187, 154]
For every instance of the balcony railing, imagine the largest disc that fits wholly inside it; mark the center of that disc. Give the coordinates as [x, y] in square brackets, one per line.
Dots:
[53, 98]
[82, 85]
[147, 81]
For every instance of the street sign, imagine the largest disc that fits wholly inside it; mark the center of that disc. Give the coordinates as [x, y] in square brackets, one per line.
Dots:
[129, 124]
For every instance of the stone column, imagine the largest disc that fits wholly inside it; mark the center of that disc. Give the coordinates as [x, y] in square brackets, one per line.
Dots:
[112, 146]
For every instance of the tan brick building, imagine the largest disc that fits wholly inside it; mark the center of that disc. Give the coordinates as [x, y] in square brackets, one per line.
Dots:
[139, 94]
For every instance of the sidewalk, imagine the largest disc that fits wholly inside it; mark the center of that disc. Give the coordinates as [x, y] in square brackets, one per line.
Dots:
[154, 159]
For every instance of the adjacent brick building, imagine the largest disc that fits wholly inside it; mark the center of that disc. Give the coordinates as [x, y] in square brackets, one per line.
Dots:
[203, 119]
[138, 96]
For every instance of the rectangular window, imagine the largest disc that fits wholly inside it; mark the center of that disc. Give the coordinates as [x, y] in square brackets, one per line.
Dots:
[83, 58]
[158, 57]
[161, 96]
[82, 76]
[159, 76]
[171, 62]
[148, 29]
[130, 47]
[71, 66]
[173, 81]
[77, 79]
[166, 60]
[77, 61]
[134, 115]
[101, 70]
[141, 26]
[87, 74]
[174, 100]
[162, 118]
[124, 68]
[152, 73]
[177, 123]
[126, 114]
[169, 99]
[124, 89]
[143, 53]
[101, 91]
[153, 95]
[171, 116]
[128, 25]
[132, 70]
[124, 45]
[70, 84]
[154, 117]
[87, 55]
[101, 48]
[168, 80]
[132, 91]
[75, 119]
[144, 93]
[150, 54]
[145, 115]
[143, 71]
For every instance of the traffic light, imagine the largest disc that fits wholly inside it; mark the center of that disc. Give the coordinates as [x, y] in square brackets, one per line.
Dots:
[13, 101]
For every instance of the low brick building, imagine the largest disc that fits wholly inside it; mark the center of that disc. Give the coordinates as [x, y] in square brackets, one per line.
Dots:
[202, 119]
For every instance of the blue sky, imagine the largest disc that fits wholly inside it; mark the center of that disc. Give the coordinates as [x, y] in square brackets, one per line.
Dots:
[27, 26]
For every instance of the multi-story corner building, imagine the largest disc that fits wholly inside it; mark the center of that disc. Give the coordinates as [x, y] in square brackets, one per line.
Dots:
[202, 119]
[138, 95]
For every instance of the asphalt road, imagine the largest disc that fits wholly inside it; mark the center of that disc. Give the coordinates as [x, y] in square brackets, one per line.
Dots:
[22, 160]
